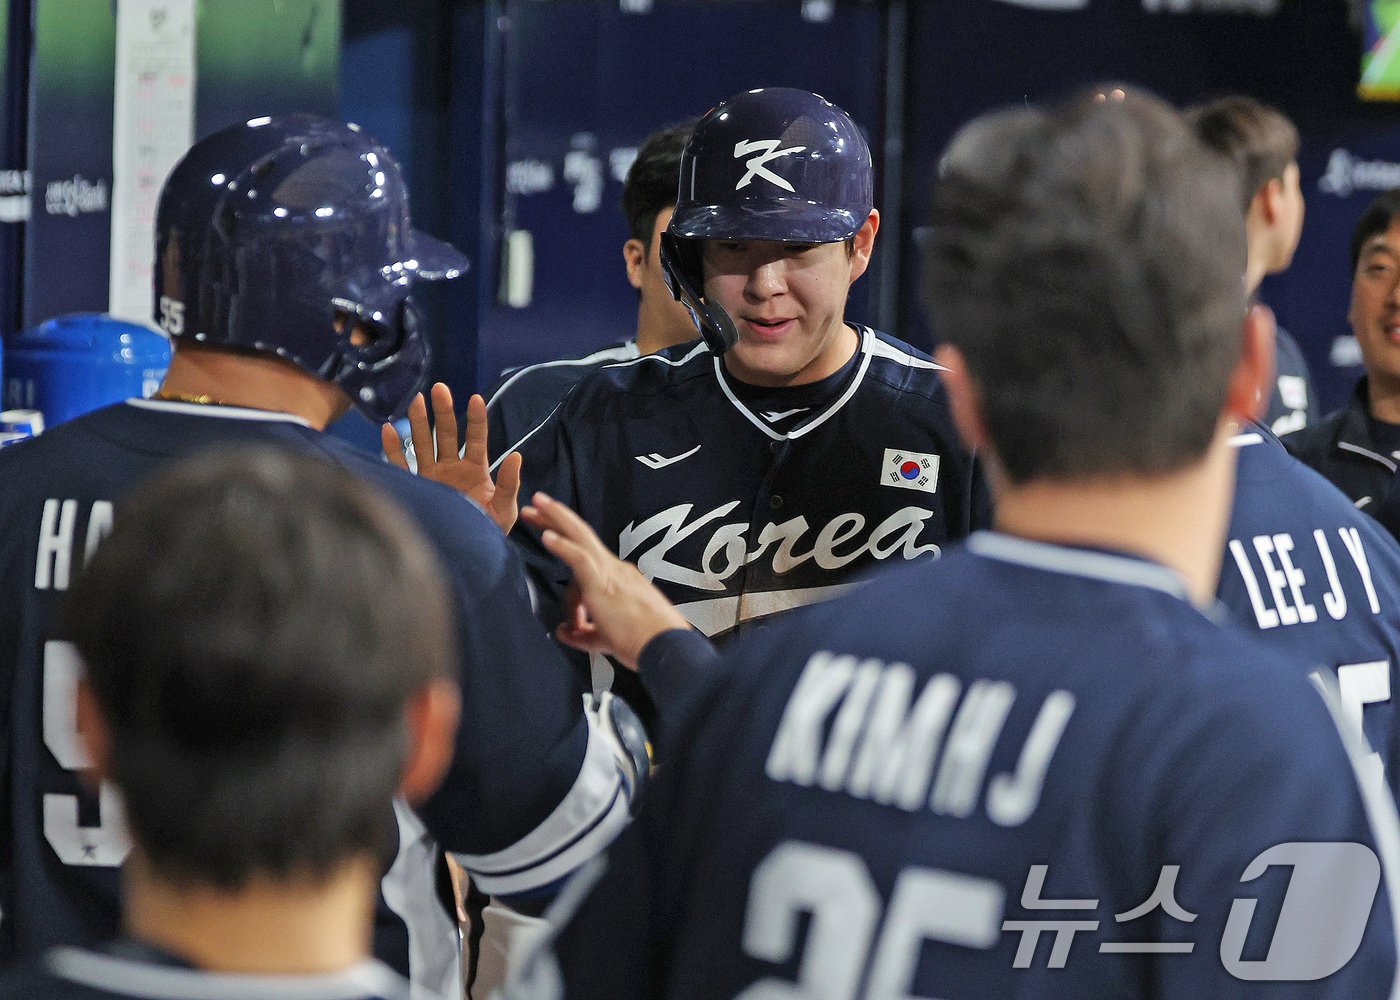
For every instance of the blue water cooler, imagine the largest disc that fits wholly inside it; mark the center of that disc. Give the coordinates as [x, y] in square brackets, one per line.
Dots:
[76, 363]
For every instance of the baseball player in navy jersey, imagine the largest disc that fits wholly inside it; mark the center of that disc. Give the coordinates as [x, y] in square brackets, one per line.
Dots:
[1320, 580]
[1037, 767]
[268, 658]
[285, 262]
[523, 398]
[768, 464]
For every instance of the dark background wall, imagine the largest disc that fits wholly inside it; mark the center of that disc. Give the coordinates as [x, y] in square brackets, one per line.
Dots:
[518, 117]
[505, 110]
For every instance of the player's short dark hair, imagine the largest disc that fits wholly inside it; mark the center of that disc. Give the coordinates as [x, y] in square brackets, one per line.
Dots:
[1259, 140]
[253, 628]
[654, 179]
[1376, 219]
[1087, 262]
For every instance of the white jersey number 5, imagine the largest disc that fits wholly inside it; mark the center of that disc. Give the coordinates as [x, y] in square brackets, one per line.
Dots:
[105, 845]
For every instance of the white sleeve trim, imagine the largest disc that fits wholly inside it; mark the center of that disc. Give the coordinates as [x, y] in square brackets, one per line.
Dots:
[1375, 797]
[591, 815]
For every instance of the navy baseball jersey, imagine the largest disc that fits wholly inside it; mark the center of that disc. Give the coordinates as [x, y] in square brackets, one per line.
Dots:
[127, 970]
[523, 398]
[1024, 770]
[533, 789]
[738, 501]
[1318, 579]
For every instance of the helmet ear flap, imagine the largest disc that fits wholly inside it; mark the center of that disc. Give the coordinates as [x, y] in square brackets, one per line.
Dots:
[685, 277]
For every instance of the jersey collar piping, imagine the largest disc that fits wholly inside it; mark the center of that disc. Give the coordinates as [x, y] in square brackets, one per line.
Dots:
[1078, 562]
[866, 339]
[217, 410]
[158, 982]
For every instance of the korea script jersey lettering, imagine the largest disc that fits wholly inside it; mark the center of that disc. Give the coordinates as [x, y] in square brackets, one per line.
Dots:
[1318, 579]
[737, 510]
[534, 788]
[1010, 772]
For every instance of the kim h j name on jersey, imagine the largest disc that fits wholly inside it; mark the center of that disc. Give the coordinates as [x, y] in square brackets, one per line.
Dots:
[884, 745]
[854, 726]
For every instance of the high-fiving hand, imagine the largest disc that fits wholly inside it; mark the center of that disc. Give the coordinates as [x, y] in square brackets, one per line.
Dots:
[468, 471]
[610, 606]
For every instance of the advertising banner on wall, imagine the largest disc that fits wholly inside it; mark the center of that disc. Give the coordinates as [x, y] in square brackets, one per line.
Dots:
[249, 58]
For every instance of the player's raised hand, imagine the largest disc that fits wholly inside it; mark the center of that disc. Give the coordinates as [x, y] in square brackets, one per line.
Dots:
[610, 606]
[468, 471]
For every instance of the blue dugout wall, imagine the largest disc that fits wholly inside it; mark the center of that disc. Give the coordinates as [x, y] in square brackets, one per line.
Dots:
[517, 116]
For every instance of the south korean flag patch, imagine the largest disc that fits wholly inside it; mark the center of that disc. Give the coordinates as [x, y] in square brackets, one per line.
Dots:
[910, 470]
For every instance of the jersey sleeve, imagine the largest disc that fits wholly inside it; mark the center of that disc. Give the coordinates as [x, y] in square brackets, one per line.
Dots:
[537, 784]
[1255, 798]
[549, 467]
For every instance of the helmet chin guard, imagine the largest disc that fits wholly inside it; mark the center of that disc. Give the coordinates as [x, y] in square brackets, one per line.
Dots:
[681, 266]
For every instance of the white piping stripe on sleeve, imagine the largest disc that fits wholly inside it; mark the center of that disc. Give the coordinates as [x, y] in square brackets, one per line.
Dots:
[698, 349]
[881, 349]
[516, 447]
[159, 982]
[625, 352]
[1077, 562]
[1380, 809]
[1244, 440]
[588, 847]
[217, 410]
[1357, 449]
[590, 815]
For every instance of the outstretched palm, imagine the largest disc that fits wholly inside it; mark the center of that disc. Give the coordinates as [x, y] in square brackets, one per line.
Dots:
[467, 470]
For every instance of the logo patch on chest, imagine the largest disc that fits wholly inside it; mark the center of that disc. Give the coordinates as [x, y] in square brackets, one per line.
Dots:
[909, 470]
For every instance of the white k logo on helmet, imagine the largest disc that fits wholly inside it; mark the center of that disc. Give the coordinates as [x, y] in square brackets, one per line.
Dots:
[769, 151]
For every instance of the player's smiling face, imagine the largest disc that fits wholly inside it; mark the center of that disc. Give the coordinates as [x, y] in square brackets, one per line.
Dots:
[788, 303]
[1375, 308]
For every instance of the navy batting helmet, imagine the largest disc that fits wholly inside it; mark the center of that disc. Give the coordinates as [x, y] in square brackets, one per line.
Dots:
[771, 164]
[276, 234]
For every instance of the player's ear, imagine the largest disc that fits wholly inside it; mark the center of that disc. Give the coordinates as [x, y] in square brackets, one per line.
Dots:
[863, 244]
[432, 714]
[964, 397]
[1268, 199]
[1252, 382]
[634, 254]
[95, 735]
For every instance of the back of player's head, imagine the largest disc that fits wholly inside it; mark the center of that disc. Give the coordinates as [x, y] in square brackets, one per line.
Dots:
[253, 628]
[1260, 141]
[654, 178]
[291, 235]
[1086, 261]
[1375, 220]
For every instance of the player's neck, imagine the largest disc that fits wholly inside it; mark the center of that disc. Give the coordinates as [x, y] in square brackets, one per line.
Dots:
[1179, 520]
[257, 381]
[1383, 393]
[292, 927]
